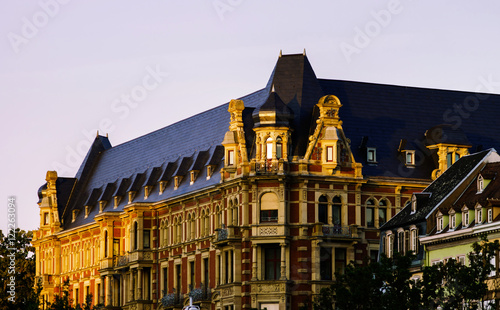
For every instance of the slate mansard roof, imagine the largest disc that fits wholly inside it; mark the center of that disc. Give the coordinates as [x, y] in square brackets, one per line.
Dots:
[373, 115]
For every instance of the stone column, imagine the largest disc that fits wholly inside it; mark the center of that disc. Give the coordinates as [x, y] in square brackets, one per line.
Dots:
[139, 283]
[254, 262]
[131, 283]
[108, 291]
[101, 291]
[283, 261]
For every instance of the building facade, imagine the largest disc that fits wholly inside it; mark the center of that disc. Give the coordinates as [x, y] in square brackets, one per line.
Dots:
[254, 204]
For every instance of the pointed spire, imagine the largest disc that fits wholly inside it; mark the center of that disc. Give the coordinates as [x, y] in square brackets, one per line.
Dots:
[280, 54]
[272, 89]
[304, 53]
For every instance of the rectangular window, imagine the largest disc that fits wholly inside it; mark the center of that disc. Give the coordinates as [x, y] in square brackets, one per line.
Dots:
[230, 157]
[46, 218]
[269, 151]
[178, 279]
[205, 272]
[191, 275]
[268, 216]
[369, 217]
[340, 260]
[147, 238]
[449, 159]
[373, 255]
[116, 247]
[466, 218]
[165, 281]
[410, 158]
[490, 215]
[452, 225]
[329, 153]
[272, 261]
[371, 155]
[325, 263]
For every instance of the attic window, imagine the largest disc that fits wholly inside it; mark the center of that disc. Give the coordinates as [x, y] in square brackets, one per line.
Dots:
[479, 214]
[451, 158]
[230, 157]
[413, 204]
[177, 181]
[453, 221]
[329, 153]
[410, 158]
[87, 211]
[480, 184]
[147, 191]
[490, 215]
[192, 177]
[209, 172]
[74, 215]
[465, 216]
[371, 155]
[440, 223]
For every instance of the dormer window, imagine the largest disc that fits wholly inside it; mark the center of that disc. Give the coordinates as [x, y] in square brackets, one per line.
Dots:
[209, 172]
[177, 181]
[451, 158]
[479, 214]
[490, 215]
[480, 184]
[413, 204]
[410, 158]
[87, 211]
[440, 223]
[371, 155]
[192, 177]
[329, 153]
[465, 216]
[74, 215]
[453, 221]
[230, 157]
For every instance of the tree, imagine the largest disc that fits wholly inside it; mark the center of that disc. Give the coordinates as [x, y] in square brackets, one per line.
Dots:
[17, 274]
[388, 284]
[65, 302]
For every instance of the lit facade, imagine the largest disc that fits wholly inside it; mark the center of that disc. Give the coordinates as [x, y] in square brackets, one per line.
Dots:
[253, 204]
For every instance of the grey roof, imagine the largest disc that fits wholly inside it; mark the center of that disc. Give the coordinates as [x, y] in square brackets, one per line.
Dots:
[373, 115]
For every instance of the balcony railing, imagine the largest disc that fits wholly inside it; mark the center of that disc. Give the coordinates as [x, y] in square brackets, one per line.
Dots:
[201, 293]
[172, 300]
[222, 234]
[270, 167]
[336, 231]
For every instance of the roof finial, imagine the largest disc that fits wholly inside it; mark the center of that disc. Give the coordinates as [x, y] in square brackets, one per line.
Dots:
[272, 88]
[304, 51]
[280, 54]
[97, 134]
[107, 135]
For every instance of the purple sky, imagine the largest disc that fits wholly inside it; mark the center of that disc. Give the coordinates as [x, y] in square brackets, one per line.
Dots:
[69, 68]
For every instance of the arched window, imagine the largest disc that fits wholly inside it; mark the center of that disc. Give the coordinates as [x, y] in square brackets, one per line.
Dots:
[323, 209]
[382, 212]
[202, 224]
[269, 208]
[235, 213]
[269, 148]
[106, 243]
[279, 148]
[193, 226]
[207, 222]
[336, 211]
[370, 213]
[135, 234]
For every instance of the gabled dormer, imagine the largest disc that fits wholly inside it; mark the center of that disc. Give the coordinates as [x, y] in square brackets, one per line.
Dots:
[466, 216]
[441, 221]
[328, 144]
[479, 214]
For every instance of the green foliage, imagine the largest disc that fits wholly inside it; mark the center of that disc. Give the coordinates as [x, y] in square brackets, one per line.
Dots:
[388, 284]
[17, 259]
[65, 302]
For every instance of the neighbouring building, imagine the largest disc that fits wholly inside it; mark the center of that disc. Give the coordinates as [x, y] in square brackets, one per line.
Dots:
[255, 203]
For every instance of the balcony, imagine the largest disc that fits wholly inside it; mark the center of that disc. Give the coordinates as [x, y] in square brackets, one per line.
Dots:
[224, 235]
[267, 230]
[270, 167]
[336, 231]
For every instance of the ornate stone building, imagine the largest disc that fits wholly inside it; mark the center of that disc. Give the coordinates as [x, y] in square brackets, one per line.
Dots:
[253, 204]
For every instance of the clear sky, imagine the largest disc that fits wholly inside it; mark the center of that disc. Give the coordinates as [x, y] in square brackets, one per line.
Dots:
[126, 68]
